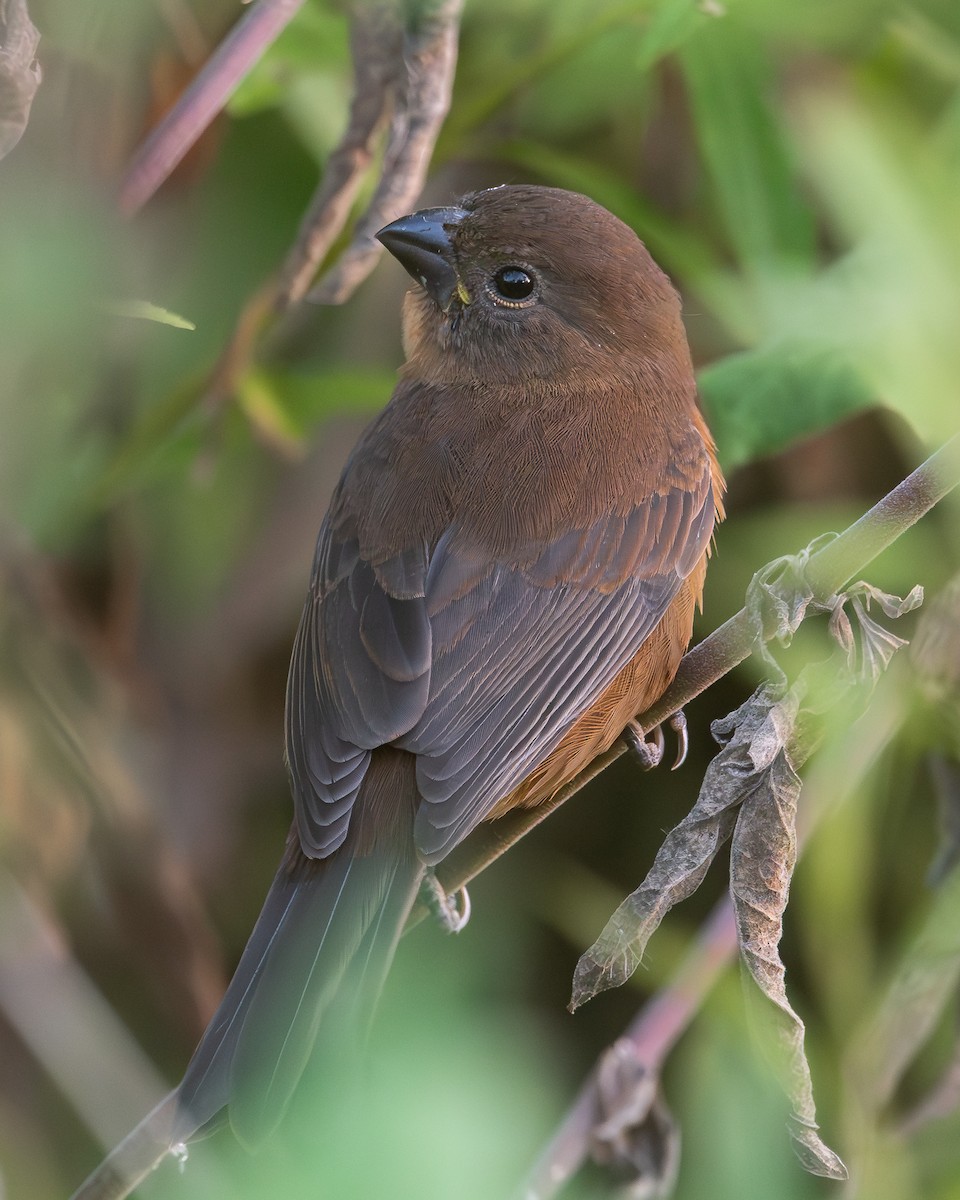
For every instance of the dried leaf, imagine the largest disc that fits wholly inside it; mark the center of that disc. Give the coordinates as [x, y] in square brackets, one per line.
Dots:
[841, 630]
[877, 645]
[19, 71]
[814, 1153]
[763, 853]
[751, 790]
[635, 1134]
[893, 606]
[750, 736]
[779, 593]
[780, 597]
[784, 586]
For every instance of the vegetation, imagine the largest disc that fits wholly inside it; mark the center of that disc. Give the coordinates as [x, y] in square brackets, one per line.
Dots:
[795, 168]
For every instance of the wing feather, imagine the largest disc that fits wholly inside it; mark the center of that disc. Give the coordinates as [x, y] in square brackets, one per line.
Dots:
[475, 664]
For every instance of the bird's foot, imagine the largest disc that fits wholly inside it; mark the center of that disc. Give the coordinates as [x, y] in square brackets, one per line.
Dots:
[650, 753]
[452, 911]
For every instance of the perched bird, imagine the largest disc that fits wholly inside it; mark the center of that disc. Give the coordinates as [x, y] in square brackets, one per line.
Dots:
[506, 575]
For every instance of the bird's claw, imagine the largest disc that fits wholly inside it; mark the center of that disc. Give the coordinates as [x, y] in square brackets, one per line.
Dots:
[451, 915]
[678, 723]
[650, 753]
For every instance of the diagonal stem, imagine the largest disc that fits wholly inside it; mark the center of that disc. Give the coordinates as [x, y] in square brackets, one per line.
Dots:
[652, 1034]
[226, 69]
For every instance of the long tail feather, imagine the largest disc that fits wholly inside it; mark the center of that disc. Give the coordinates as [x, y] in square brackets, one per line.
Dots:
[326, 927]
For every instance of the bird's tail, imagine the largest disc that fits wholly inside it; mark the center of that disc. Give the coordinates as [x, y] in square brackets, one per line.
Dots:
[328, 926]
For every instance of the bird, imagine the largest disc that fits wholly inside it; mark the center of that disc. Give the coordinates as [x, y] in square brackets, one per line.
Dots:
[506, 575]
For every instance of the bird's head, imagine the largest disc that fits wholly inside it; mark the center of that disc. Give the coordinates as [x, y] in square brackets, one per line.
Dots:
[520, 284]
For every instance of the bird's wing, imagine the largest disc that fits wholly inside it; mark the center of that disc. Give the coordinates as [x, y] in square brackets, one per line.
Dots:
[519, 654]
[359, 678]
[477, 666]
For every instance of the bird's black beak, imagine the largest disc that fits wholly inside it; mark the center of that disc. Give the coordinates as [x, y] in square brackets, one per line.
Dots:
[421, 244]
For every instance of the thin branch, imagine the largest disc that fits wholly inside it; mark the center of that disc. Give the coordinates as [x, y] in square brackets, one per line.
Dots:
[430, 56]
[213, 86]
[403, 67]
[728, 646]
[651, 1035]
[376, 40]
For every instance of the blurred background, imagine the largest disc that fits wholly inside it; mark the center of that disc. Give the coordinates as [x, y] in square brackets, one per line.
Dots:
[796, 170]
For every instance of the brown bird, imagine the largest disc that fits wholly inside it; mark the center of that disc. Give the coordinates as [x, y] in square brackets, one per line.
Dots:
[506, 575]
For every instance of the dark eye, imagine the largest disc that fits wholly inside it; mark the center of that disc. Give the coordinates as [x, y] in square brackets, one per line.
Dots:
[513, 283]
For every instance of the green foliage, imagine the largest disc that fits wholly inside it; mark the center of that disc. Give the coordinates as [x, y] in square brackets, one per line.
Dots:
[760, 401]
[795, 168]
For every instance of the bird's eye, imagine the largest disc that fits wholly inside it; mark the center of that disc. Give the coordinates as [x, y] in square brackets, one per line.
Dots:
[513, 285]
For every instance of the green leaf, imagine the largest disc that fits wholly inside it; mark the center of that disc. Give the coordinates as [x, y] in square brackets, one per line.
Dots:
[268, 415]
[309, 397]
[760, 401]
[671, 25]
[314, 43]
[513, 77]
[144, 310]
[744, 149]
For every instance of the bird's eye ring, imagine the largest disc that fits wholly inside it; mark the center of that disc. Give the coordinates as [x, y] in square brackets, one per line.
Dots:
[513, 286]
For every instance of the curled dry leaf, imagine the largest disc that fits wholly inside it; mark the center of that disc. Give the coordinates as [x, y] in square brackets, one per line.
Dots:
[749, 737]
[779, 596]
[634, 1133]
[19, 71]
[877, 644]
[763, 854]
[750, 792]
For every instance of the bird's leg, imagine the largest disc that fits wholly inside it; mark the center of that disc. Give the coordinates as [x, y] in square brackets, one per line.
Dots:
[451, 915]
[650, 753]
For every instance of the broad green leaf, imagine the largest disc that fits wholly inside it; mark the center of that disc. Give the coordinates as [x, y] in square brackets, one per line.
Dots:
[284, 406]
[893, 302]
[760, 401]
[311, 396]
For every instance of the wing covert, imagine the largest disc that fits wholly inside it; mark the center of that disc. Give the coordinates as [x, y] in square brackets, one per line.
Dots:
[521, 652]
